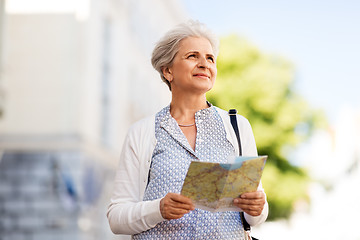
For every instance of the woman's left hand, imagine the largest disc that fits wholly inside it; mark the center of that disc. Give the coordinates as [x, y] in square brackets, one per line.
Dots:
[251, 203]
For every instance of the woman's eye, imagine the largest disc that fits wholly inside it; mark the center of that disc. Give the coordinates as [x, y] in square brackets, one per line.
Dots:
[211, 59]
[191, 56]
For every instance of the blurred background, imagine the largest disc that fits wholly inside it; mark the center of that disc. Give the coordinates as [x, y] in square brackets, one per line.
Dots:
[74, 74]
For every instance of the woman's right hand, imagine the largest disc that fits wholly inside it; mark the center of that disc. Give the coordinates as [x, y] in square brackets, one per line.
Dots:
[175, 206]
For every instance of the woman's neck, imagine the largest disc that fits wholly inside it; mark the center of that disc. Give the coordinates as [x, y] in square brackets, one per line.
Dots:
[183, 108]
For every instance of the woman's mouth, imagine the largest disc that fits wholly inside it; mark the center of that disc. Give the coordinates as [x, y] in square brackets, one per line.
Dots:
[201, 75]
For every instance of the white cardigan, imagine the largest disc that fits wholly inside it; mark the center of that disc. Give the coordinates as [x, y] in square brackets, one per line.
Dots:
[127, 212]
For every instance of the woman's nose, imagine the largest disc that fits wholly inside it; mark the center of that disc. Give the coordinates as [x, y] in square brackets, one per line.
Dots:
[203, 63]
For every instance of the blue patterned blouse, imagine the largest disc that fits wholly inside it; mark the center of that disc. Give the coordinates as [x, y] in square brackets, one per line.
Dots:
[170, 161]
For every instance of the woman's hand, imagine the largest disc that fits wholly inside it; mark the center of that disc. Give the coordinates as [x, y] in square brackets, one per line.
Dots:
[251, 203]
[174, 206]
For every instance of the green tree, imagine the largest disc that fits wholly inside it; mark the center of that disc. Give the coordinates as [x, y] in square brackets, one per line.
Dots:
[260, 87]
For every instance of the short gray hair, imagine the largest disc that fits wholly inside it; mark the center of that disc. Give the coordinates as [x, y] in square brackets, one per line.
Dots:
[165, 50]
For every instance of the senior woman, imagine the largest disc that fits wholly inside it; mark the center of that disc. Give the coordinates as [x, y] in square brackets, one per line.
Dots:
[158, 150]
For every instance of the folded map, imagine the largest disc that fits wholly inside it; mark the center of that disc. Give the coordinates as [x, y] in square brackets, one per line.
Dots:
[213, 186]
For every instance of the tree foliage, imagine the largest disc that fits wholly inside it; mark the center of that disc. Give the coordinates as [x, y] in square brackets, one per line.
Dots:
[260, 87]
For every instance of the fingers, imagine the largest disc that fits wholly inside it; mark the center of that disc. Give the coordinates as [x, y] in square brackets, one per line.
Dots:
[253, 195]
[174, 206]
[253, 210]
[251, 203]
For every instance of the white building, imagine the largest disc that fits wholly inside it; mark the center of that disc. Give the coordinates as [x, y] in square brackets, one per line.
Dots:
[75, 75]
[80, 70]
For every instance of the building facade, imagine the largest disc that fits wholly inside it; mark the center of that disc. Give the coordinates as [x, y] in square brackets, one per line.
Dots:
[75, 75]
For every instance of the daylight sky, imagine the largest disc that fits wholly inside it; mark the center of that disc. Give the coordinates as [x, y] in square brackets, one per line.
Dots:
[321, 38]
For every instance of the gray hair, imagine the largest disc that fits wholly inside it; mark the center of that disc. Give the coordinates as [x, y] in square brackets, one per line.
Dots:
[166, 49]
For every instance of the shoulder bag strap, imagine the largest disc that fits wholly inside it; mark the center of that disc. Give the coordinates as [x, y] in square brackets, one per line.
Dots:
[233, 119]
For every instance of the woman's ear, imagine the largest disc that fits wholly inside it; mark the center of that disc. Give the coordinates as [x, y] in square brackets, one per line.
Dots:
[167, 73]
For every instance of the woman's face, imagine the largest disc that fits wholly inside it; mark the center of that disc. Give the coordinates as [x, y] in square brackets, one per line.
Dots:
[194, 67]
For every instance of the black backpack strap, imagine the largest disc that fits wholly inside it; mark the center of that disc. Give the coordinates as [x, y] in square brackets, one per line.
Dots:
[233, 120]
[232, 114]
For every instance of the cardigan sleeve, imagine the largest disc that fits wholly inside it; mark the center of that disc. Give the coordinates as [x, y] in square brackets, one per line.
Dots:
[127, 212]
